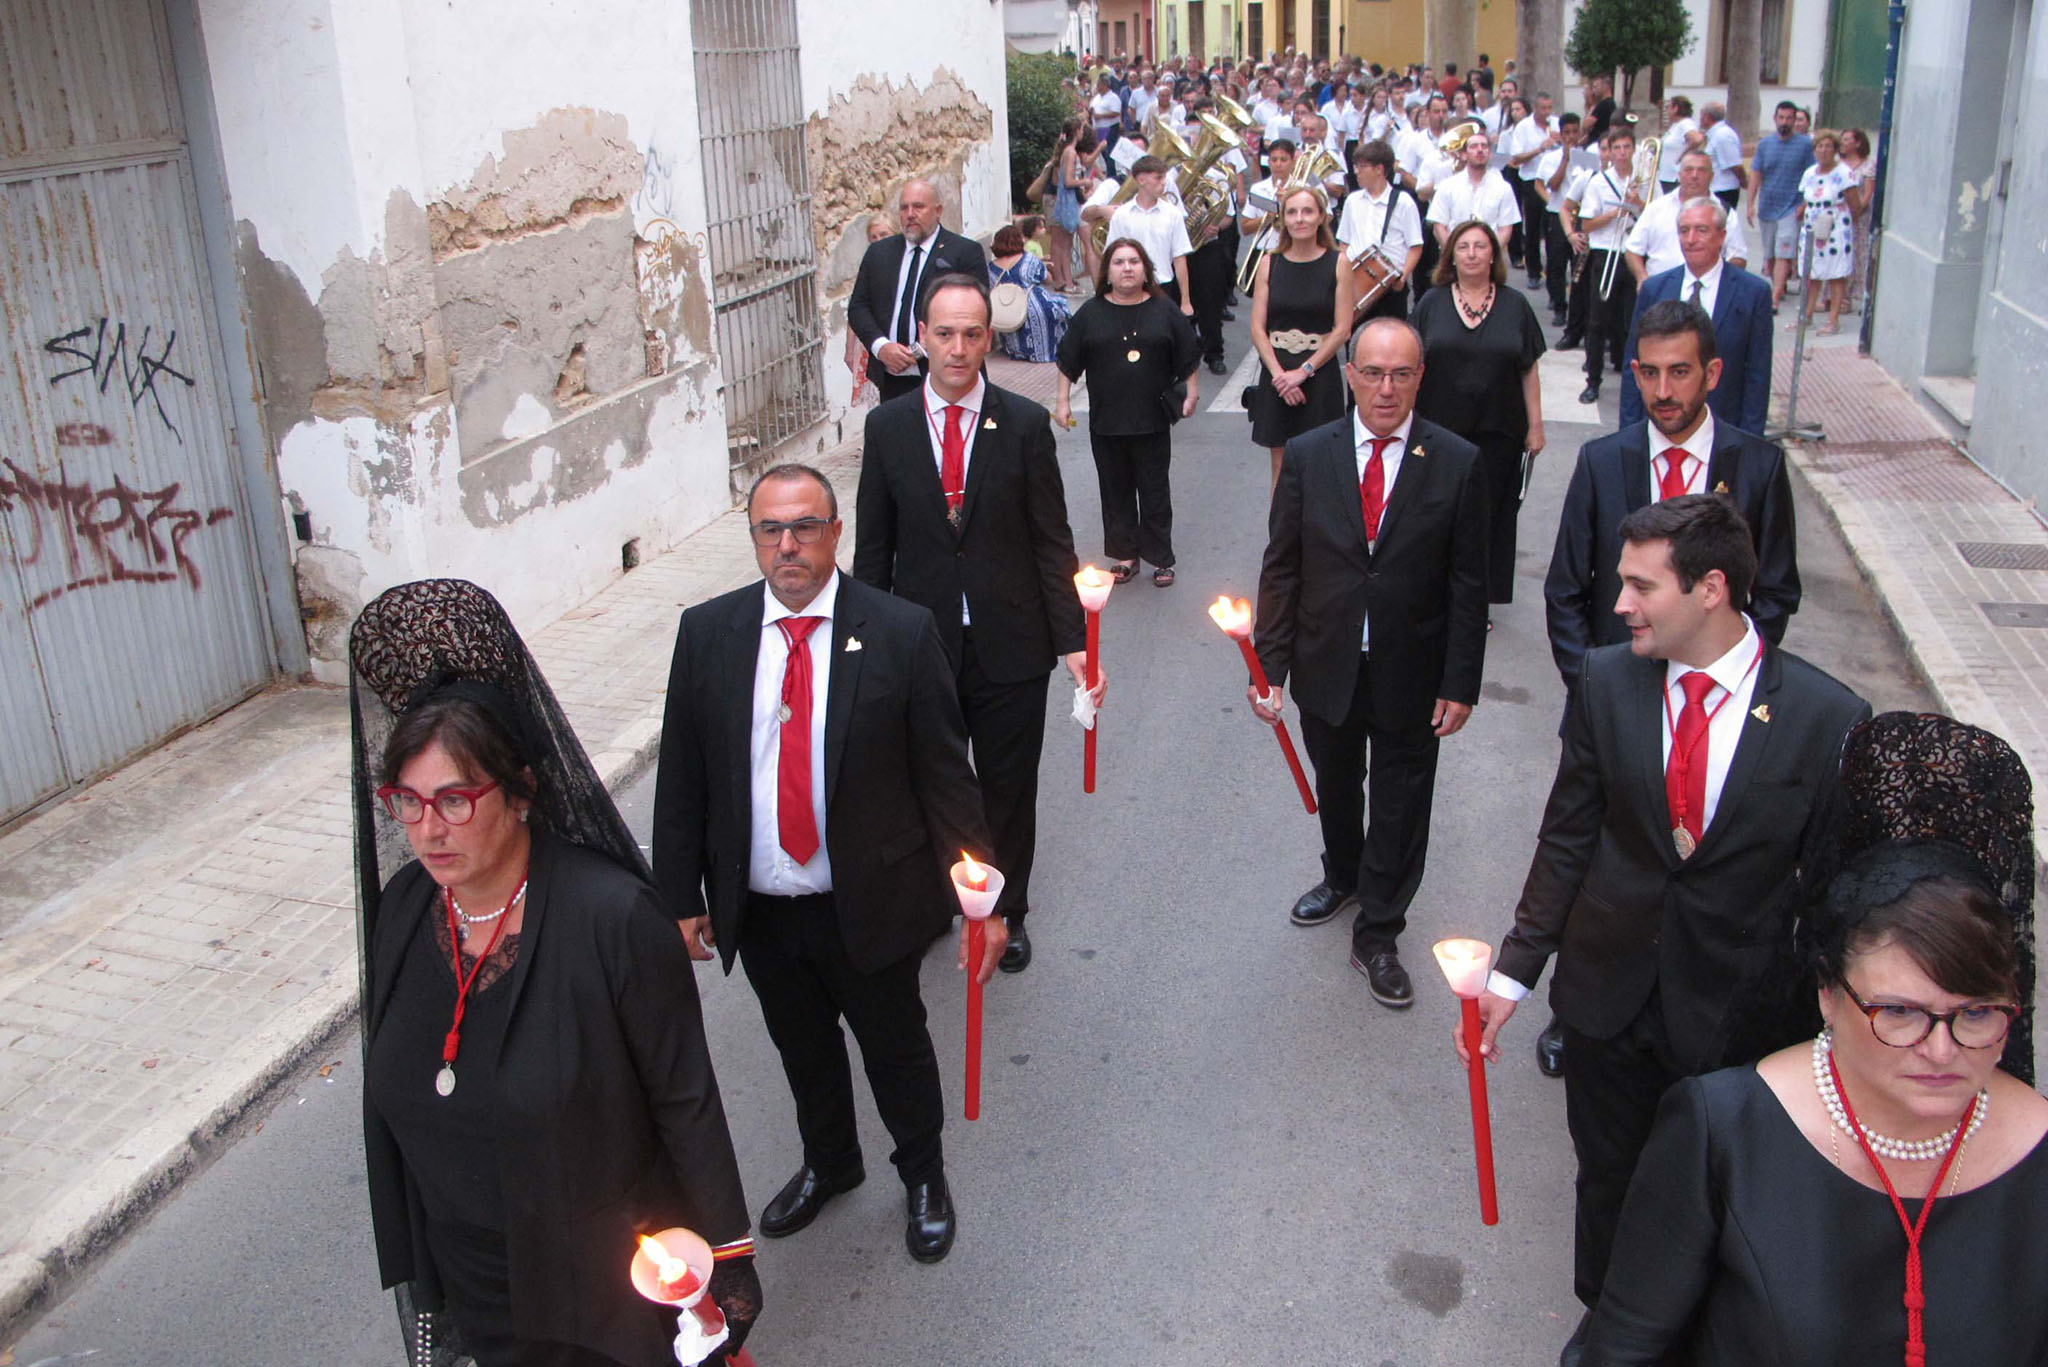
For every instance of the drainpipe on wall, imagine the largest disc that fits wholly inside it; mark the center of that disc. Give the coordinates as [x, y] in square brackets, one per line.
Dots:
[1895, 23]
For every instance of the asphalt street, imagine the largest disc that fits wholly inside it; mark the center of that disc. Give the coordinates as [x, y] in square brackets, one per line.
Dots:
[1201, 1141]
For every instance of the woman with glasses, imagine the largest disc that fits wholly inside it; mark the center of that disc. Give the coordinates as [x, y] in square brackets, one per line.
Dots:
[1874, 1195]
[1480, 344]
[537, 1089]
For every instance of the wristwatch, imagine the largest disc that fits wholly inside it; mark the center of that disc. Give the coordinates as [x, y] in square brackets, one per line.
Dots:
[1308, 368]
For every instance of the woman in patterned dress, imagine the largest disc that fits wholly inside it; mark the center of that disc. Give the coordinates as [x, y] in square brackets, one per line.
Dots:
[1045, 313]
[1856, 157]
[1827, 232]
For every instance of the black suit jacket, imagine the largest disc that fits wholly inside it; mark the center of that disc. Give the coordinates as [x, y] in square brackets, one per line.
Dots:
[901, 800]
[612, 1121]
[1422, 585]
[871, 308]
[1608, 894]
[1013, 556]
[1612, 480]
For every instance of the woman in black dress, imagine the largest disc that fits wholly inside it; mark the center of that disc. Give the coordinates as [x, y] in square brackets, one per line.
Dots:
[1301, 314]
[1772, 1214]
[1140, 355]
[537, 1089]
[1480, 344]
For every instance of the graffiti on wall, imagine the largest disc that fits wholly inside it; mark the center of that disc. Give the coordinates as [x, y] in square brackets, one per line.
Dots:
[112, 534]
[97, 353]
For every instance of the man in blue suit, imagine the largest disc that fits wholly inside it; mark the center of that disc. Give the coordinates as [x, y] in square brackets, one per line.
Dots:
[1737, 301]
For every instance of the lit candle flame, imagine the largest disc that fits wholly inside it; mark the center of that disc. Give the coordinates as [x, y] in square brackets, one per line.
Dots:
[975, 876]
[1090, 577]
[1464, 963]
[1234, 615]
[676, 1274]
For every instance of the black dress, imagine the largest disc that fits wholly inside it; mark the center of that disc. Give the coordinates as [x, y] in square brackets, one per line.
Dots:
[1744, 1246]
[1472, 384]
[1300, 296]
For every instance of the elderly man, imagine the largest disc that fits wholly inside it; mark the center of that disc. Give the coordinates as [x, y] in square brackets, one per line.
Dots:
[1477, 191]
[1739, 304]
[1724, 145]
[883, 308]
[1372, 595]
[1652, 245]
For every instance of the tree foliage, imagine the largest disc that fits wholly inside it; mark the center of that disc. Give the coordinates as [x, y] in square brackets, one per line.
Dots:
[1039, 104]
[1628, 35]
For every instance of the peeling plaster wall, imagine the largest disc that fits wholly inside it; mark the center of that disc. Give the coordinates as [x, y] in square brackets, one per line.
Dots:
[887, 101]
[470, 240]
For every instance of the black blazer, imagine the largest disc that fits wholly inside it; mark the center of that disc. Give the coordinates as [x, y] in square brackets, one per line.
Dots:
[1612, 480]
[901, 800]
[612, 1124]
[1013, 557]
[871, 308]
[1423, 585]
[1608, 894]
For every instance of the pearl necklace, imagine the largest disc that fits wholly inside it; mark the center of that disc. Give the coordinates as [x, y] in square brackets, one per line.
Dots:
[1903, 1150]
[484, 918]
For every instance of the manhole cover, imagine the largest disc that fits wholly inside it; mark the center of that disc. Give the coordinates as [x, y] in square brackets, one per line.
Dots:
[2016, 614]
[2004, 555]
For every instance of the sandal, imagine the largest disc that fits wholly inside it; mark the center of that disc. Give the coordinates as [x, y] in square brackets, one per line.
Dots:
[1124, 571]
[1162, 576]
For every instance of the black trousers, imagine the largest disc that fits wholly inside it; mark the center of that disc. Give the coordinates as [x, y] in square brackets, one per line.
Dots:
[1534, 212]
[889, 386]
[1375, 817]
[1557, 263]
[1228, 240]
[1006, 727]
[1607, 319]
[795, 958]
[1209, 284]
[1611, 1091]
[1729, 198]
[1137, 498]
[1500, 473]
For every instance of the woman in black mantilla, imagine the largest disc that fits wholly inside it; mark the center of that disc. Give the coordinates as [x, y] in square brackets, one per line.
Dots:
[1874, 1195]
[537, 1088]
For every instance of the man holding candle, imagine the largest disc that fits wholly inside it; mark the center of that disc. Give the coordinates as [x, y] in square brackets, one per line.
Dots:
[962, 510]
[1696, 762]
[1373, 596]
[814, 789]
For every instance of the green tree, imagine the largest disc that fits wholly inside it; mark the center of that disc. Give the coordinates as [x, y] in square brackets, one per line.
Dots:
[1039, 104]
[1629, 35]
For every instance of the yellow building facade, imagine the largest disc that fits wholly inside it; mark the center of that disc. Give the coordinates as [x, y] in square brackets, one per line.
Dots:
[1390, 32]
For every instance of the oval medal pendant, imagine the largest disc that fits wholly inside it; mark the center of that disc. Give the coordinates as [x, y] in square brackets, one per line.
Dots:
[782, 713]
[1682, 838]
[1132, 355]
[444, 1081]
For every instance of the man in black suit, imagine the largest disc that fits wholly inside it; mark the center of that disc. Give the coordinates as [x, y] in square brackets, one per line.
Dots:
[1373, 596]
[1697, 760]
[961, 509]
[1681, 448]
[882, 310]
[813, 791]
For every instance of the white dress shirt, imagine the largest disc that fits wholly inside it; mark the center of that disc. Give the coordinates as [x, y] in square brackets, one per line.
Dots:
[1726, 149]
[1491, 201]
[1362, 438]
[769, 867]
[1655, 236]
[1693, 454]
[1604, 193]
[1106, 110]
[1363, 216]
[935, 426]
[1161, 230]
[1734, 676]
[921, 253]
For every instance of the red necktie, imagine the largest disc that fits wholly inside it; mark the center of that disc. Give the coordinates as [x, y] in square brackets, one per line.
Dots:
[1672, 483]
[795, 824]
[953, 461]
[1685, 773]
[1372, 489]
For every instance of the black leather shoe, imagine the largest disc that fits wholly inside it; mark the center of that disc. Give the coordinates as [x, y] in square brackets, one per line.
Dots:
[800, 1200]
[1216, 366]
[1017, 956]
[1318, 905]
[1550, 1049]
[1570, 342]
[1386, 979]
[930, 1231]
[1590, 394]
[1575, 1346]
[1229, 315]
[1557, 318]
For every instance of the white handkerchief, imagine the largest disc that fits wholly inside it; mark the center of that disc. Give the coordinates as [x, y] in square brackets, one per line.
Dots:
[1084, 708]
[693, 1345]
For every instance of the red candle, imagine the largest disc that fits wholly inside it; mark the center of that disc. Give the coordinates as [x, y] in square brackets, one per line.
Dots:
[972, 884]
[1235, 617]
[1482, 1121]
[1092, 586]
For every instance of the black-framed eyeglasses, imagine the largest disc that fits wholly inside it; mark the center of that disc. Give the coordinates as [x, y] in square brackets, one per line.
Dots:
[806, 530]
[456, 805]
[1977, 1026]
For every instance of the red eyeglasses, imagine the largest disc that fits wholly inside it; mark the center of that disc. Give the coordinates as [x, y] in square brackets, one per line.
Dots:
[455, 805]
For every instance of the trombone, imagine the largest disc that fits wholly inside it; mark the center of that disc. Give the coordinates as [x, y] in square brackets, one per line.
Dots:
[1312, 167]
[1642, 174]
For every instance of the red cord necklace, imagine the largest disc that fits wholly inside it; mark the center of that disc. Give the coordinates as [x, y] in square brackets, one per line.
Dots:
[444, 1081]
[1916, 1293]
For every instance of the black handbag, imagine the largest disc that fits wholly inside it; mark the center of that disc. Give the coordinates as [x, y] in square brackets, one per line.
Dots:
[1173, 400]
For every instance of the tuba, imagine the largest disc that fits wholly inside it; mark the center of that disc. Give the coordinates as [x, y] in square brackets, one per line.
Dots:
[1233, 114]
[1452, 143]
[1207, 203]
[1311, 168]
